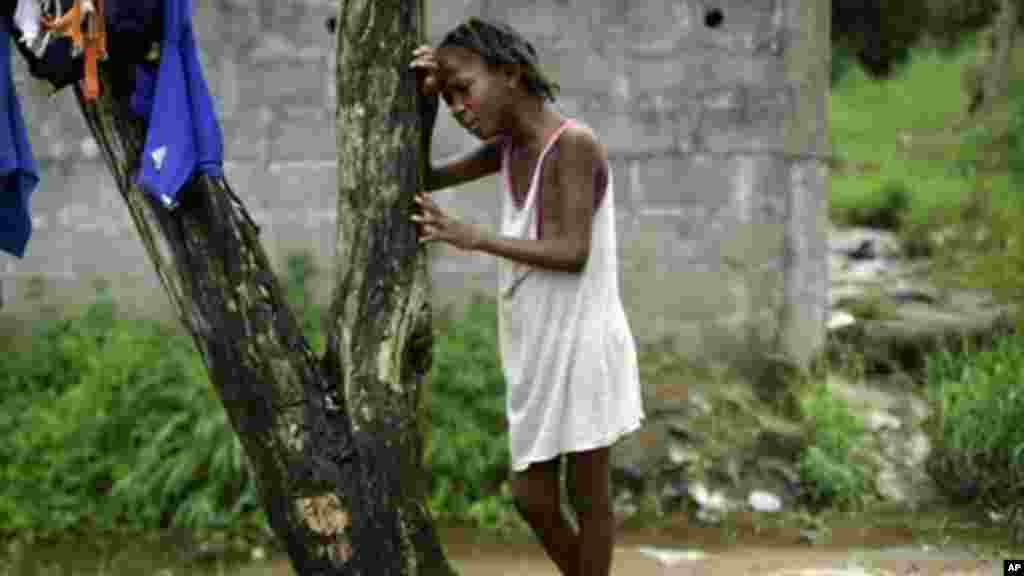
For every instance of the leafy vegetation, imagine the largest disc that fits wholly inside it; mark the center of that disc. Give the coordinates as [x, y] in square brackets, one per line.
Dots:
[831, 465]
[110, 424]
[979, 400]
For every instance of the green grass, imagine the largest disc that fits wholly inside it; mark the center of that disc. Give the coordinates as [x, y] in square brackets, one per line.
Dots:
[831, 465]
[867, 119]
[905, 133]
[979, 401]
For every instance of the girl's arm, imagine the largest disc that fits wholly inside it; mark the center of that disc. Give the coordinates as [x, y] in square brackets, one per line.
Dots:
[477, 163]
[482, 161]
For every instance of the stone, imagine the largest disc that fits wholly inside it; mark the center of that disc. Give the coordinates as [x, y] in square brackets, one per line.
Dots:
[680, 455]
[903, 291]
[699, 403]
[866, 242]
[918, 448]
[865, 271]
[669, 557]
[891, 485]
[672, 492]
[879, 420]
[845, 294]
[764, 501]
[839, 320]
[707, 500]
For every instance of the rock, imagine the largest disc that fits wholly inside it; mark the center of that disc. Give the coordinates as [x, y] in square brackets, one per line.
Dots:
[672, 493]
[864, 272]
[764, 501]
[903, 292]
[839, 320]
[669, 557]
[842, 295]
[699, 403]
[849, 241]
[865, 251]
[680, 455]
[891, 485]
[879, 420]
[707, 500]
[918, 448]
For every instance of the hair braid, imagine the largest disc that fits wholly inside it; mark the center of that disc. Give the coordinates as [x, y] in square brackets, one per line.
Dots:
[499, 44]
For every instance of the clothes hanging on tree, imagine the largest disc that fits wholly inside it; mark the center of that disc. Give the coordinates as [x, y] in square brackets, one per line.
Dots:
[27, 19]
[52, 58]
[183, 135]
[84, 24]
[18, 173]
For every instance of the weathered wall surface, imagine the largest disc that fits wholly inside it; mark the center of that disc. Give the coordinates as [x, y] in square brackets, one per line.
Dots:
[717, 137]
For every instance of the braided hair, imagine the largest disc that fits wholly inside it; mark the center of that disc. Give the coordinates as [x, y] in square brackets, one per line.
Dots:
[499, 44]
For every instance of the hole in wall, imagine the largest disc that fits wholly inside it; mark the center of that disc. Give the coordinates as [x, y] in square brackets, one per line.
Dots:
[714, 17]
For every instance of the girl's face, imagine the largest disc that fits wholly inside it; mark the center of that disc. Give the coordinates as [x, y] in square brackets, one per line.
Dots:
[477, 95]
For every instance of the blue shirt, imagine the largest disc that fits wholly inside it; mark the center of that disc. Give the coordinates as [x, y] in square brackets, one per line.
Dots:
[183, 135]
[18, 174]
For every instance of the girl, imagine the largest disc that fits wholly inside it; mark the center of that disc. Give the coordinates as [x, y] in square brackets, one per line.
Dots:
[567, 351]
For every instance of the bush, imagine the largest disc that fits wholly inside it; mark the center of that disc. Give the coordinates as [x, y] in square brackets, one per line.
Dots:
[831, 465]
[114, 423]
[467, 440]
[976, 427]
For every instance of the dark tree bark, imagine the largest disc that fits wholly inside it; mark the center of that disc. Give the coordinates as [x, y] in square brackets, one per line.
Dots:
[997, 72]
[333, 441]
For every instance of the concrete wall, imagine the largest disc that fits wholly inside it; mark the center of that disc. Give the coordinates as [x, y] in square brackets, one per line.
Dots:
[717, 138]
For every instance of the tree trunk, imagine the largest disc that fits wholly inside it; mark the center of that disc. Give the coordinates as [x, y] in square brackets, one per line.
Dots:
[333, 441]
[997, 72]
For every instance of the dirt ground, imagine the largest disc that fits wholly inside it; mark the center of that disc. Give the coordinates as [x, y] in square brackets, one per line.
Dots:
[740, 561]
[684, 550]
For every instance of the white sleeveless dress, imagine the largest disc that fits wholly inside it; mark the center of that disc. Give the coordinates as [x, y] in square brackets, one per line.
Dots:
[567, 352]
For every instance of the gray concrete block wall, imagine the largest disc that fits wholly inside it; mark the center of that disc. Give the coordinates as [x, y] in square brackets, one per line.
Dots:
[715, 137]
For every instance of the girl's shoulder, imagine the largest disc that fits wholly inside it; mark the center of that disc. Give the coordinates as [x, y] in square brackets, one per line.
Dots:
[579, 141]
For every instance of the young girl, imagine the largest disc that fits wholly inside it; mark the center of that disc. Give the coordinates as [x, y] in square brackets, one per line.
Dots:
[567, 351]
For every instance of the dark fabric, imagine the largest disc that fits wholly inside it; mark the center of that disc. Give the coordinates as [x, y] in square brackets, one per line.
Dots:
[18, 173]
[56, 66]
[132, 27]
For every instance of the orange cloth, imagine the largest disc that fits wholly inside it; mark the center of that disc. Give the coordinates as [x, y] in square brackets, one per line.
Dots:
[87, 32]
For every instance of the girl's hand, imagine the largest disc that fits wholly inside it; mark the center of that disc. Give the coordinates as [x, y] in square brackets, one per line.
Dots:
[427, 71]
[436, 225]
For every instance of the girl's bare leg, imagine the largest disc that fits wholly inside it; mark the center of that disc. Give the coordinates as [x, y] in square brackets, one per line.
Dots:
[537, 498]
[589, 480]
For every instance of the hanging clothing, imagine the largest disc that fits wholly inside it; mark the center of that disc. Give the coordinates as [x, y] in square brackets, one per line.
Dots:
[18, 173]
[567, 351]
[53, 57]
[27, 17]
[184, 136]
[134, 27]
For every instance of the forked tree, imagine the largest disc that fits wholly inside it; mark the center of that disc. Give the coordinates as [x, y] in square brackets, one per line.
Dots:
[333, 439]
